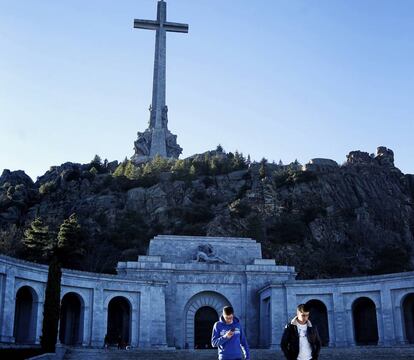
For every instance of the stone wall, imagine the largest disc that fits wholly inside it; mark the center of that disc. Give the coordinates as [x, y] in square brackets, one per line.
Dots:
[162, 298]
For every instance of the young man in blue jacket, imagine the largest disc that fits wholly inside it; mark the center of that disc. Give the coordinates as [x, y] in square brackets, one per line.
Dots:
[228, 336]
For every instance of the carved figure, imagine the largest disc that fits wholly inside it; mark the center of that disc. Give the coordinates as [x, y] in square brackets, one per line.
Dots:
[143, 143]
[164, 117]
[173, 149]
[206, 253]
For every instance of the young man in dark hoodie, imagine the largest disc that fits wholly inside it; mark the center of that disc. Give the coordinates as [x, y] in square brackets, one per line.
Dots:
[300, 340]
[228, 336]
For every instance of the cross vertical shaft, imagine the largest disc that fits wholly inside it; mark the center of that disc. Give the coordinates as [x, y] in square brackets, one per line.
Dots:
[160, 65]
[158, 117]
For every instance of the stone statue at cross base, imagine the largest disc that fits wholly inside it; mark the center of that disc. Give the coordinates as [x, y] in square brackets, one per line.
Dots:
[164, 117]
[207, 254]
[173, 149]
[151, 121]
[143, 144]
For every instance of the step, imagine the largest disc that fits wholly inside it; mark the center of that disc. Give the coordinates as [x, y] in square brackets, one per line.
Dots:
[354, 353]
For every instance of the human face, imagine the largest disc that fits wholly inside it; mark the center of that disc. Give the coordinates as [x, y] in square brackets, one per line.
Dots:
[302, 317]
[228, 318]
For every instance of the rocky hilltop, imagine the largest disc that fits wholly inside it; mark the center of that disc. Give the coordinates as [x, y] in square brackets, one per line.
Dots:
[326, 219]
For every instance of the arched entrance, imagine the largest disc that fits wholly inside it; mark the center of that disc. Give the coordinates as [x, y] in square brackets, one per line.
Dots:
[408, 317]
[204, 320]
[71, 324]
[119, 320]
[201, 300]
[365, 321]
[25, 316]
[319, 317]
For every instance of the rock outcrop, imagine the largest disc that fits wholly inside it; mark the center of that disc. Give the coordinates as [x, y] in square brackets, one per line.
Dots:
[327, 220]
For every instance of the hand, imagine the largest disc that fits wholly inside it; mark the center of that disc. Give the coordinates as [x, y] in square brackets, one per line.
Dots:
[229, 334]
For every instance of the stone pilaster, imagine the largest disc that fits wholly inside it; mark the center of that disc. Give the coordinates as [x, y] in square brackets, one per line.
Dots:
[158, 322]
[99, 315]
[343, 336]
[279, 317]
[9, 298]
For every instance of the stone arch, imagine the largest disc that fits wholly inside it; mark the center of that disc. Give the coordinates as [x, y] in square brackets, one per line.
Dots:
[210, 299]
[407, 313]
[319, 317]
[119, 319]
[365, 324]
[71, 319]
[25, 315]
[125, 295]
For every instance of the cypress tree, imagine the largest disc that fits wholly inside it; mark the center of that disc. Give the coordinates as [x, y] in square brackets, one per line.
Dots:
[51, 309]
[60, 249]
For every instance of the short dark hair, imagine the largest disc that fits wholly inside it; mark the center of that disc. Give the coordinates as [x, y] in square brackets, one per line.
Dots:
[303, 308]
[228, 310]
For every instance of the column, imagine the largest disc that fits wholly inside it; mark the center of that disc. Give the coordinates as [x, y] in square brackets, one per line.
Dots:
[398, 318]
[342, 321]
[146, 318]
[331, 328]
[350, 337]
[39, 319]
[6, 331]
[86, 323]
[158, 322]
[380, 324]
[99, 316]
[279, 318]
[387, 316]
[135, 321]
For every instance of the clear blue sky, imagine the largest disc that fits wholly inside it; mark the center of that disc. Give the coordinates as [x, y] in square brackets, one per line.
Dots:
[281, 79]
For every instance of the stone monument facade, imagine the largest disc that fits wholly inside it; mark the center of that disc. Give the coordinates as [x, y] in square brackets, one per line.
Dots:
[157, 139]
[171, 297]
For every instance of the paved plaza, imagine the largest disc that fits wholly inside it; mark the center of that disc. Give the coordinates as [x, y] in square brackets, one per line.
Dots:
[358, 353]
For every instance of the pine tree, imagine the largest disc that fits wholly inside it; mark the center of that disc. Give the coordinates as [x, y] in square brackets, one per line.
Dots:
[37, 239]
[96, 160]
[179, 169]
[239, 161]
[262, 169]
[219, 148]
[131, 171]
[69, 242]
[192, 171]
[120, 170]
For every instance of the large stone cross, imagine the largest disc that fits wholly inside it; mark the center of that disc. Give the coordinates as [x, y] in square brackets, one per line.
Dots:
[158, 117]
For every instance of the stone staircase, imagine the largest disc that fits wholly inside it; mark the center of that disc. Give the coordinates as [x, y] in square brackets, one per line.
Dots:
[358, 353]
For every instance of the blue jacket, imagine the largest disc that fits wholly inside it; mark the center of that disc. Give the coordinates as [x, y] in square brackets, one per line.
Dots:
[229, 349]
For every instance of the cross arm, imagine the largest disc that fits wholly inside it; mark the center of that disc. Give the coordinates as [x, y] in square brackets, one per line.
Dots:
[176, 27]
[146, 24]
